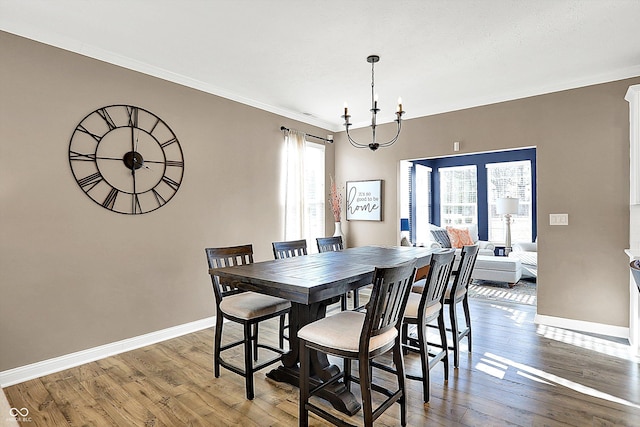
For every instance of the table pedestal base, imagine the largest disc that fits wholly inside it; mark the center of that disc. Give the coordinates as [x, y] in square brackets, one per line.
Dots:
[321, 370]
[336, 394]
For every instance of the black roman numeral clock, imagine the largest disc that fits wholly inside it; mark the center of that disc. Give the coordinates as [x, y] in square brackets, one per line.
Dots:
[126, 159]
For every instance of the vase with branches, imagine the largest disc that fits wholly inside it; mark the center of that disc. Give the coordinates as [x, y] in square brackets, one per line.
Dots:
[335, 201]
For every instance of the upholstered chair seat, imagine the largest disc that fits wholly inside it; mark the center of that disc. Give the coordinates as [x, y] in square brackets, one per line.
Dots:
[342, 332]
[251, 305]
[413, 303]
[459, 292]
[418, 287]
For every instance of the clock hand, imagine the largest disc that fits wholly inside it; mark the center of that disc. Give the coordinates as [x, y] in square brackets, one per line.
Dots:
[108, 158]
[134, 195]
[142, 165]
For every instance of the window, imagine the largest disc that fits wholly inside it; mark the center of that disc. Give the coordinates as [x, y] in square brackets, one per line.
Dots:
[458, 195]
[406, 168]
[415, 199]
[314, 193]
[423, 203]
[510, 179]
[303, 189]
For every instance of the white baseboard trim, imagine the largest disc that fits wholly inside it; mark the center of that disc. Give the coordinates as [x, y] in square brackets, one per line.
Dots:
[582, 326]
[57, 364]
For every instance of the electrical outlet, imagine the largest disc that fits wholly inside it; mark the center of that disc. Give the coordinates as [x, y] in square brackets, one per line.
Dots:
[558, 219]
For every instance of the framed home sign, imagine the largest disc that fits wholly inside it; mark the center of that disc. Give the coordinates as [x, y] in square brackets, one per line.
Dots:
[364, 200]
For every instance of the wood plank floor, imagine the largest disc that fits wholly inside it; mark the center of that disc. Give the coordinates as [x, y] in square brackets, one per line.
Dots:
[518, 374]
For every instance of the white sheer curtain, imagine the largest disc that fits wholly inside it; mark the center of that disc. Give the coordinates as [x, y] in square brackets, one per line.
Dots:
[294, 202]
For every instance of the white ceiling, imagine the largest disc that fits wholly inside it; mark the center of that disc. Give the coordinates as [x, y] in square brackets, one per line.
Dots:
[304, 59]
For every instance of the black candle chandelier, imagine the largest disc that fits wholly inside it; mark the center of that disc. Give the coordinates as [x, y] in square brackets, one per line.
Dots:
[373, 145]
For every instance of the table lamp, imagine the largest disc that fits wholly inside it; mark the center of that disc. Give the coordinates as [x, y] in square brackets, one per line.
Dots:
[404, 227]
[507, 206]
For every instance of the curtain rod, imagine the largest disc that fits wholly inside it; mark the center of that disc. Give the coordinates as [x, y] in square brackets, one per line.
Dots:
[282, 128]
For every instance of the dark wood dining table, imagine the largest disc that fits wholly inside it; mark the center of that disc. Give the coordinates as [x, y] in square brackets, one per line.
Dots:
[312, 282]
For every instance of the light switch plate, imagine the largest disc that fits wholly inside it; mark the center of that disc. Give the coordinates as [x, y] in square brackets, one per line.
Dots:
[558, 219]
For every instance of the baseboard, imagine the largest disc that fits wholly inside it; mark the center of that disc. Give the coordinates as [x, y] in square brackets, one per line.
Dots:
[57, 364]
[582, 326]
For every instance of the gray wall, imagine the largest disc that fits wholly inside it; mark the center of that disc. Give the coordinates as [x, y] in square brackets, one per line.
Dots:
[582, 140]
[74, 275]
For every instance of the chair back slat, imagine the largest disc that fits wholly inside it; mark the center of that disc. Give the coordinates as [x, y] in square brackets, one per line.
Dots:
[329, 244]
[227, 257]
[465, 268]
[385, 309]
[437, 279]
[289, 249]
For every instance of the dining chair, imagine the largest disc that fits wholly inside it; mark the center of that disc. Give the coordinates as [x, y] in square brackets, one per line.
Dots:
[457, 291]
[334, 244]
[243, 307]
[289, 248]
[425, 308]
[361, 336]
[329, 244]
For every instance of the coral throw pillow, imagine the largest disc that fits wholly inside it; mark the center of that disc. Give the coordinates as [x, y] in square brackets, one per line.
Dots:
[459, 237]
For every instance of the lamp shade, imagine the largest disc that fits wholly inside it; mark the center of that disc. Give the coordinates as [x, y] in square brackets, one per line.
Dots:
[404, 224]
[507, 205]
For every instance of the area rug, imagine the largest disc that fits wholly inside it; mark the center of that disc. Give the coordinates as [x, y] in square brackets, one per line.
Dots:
[523, 292]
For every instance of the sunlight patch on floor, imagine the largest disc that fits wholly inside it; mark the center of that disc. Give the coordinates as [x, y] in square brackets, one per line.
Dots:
[492, 293]
[548, 378]
[534, 378]
[518, 316]
[589, 342]
[492, 368]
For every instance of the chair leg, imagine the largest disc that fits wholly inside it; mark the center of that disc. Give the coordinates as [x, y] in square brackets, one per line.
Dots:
[248, 361]
[399, 363]
[443, 339]
[356, 299]
[254, 339]
[467, 318]
[343, 302]
[404, 337]
[216, 346]
[424, 358]
[364, 369]
[454, 333]
[281, 333]
[303, 413]
[346, 368]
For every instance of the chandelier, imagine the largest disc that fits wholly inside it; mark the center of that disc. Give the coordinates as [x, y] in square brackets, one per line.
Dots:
[373, 145]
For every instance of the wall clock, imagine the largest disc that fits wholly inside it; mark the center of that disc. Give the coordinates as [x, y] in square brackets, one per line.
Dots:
[126, 159]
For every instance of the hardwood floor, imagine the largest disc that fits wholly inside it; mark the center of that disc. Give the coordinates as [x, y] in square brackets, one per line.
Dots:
[519, 373]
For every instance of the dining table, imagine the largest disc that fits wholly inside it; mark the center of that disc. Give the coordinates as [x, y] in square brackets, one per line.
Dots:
[312, 282]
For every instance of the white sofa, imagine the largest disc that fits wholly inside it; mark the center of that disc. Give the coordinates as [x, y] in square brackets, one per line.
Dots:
[484, 248]
[488, 266]
[527, 253]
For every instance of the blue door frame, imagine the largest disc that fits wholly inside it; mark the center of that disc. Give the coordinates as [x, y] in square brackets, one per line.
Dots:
[480, 161]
